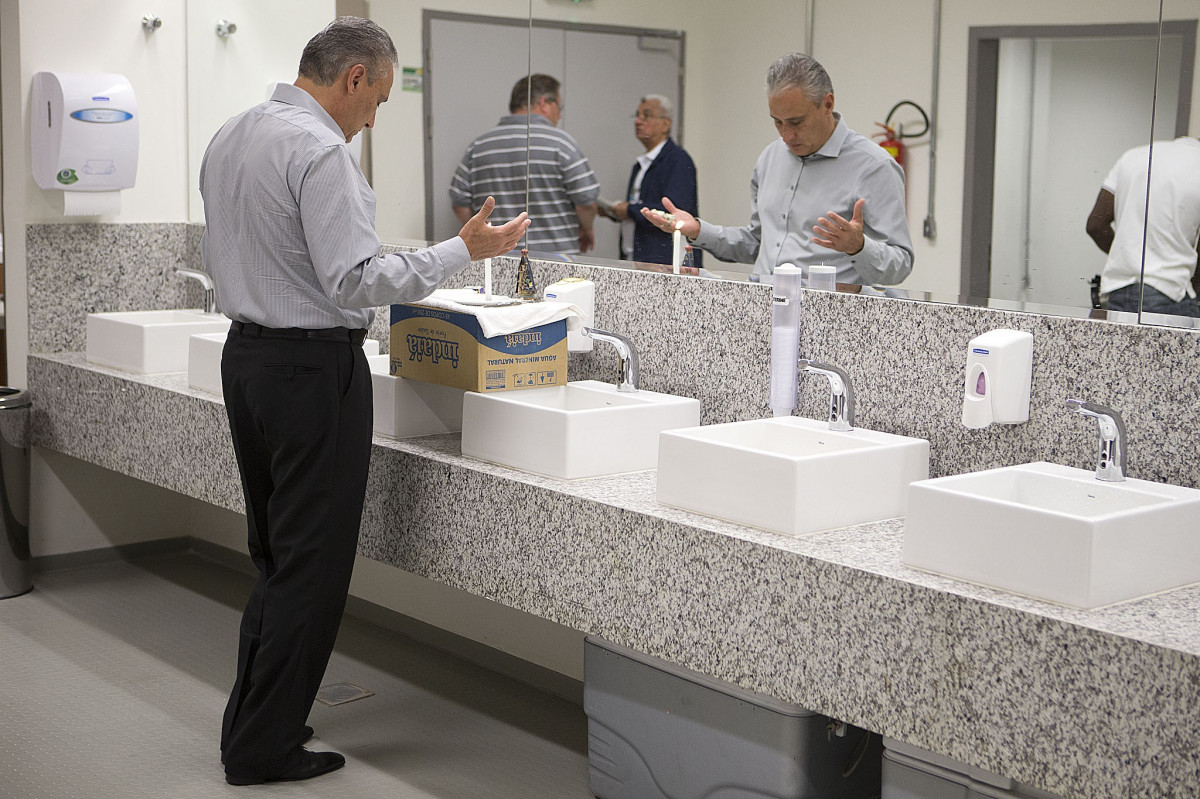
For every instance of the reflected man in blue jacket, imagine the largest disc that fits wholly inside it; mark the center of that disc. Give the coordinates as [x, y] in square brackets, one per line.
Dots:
[664, 170]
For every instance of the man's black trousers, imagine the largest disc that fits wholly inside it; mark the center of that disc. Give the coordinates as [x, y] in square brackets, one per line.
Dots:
[300, 414]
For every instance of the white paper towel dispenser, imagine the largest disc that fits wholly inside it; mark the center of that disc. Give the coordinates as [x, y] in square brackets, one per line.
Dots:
[84, 138]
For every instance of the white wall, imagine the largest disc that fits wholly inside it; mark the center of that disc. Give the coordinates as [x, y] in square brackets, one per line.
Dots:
[1188, 9]
[72, 507]
[1014, 131]
[51, 34]
[232, 74]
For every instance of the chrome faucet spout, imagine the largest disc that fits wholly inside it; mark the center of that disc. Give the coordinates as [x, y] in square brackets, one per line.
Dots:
[1110, 464]
[841, 393]
[210, 292]
[627, 356]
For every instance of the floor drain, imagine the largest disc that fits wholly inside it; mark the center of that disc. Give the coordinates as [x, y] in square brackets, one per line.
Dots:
[339, 693]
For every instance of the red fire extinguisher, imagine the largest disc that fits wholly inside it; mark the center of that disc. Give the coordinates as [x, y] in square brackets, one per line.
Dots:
[891, 142]
[893, 137]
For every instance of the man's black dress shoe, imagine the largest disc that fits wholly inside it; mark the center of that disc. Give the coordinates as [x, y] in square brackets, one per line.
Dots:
[312, 764]
[308, 733]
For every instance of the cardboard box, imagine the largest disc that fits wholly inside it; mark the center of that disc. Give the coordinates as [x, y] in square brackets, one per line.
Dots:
[449, 348]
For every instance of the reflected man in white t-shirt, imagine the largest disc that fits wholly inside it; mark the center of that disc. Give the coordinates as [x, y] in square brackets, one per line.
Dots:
[1117, 224]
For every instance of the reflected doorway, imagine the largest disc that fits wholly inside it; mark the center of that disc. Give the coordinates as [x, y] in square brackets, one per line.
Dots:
[1038, 146]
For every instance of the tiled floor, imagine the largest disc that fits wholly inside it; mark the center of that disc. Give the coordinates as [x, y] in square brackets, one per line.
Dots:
[113, 679]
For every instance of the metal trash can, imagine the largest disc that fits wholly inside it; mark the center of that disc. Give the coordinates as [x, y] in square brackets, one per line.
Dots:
[16, 568]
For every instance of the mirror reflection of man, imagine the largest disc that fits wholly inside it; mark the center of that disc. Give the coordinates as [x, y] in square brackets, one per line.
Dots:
[562, 186]
[819, 194]
[1171, 235]
[664, 170]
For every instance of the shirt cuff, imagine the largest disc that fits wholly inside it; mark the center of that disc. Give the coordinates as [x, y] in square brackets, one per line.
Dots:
[872, 255]
[453, 256]
[707, 235]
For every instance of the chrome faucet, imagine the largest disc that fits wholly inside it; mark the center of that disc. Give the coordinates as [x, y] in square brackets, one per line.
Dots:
[841, 393]
[627, 356]
[210, 292]
[1110, 466]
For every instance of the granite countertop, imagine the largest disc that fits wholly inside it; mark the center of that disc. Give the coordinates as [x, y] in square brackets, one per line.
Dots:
[1168, 619]
[1084, 703]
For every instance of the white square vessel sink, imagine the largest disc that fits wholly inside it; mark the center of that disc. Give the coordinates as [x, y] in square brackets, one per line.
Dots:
[410, 408]
[789, 474]
[1055, 533]
[147, 342]
[204, 359]
[583, 429]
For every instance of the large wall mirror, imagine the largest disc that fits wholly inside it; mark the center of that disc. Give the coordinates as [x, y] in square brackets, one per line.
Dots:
[885, 52]
[1168, 198]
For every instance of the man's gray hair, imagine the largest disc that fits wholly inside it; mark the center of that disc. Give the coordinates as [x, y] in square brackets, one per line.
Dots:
[666, 109]
[798, 71]
[343, 43]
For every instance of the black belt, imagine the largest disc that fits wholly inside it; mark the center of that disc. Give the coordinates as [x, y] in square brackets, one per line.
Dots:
[323, 334]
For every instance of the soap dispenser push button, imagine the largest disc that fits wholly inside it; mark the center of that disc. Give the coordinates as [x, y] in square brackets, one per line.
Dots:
[981, 383]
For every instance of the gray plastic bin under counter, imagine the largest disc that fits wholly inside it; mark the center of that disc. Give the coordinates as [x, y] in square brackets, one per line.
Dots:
[656, 731]
[913, 773]
[16, 569]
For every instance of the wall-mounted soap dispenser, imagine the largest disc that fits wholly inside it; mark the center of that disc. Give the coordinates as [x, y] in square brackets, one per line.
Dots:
[999, 376]
[84, 139]
[581, 293]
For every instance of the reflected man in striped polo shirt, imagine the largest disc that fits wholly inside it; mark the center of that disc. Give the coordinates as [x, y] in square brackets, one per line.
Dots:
[562, 187]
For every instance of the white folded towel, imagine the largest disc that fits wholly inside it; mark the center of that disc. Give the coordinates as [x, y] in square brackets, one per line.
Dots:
[503, 319]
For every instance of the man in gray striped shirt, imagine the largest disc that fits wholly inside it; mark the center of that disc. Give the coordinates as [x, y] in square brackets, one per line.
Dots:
[290, 243]
[562, 187]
